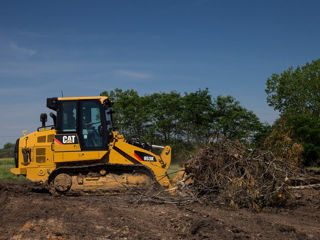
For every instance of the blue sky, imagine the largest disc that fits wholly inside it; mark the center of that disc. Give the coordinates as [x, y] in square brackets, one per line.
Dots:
[86, 47]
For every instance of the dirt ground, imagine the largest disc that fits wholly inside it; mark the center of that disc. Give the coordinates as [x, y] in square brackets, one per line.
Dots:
[26, 213]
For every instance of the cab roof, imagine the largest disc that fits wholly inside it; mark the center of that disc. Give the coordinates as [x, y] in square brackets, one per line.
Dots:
[53, 103]
[101, 98]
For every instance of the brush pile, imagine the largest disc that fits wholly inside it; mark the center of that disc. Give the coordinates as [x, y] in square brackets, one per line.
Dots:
[228, 173]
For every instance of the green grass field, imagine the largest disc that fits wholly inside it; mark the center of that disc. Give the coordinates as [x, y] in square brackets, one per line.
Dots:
[5, 174]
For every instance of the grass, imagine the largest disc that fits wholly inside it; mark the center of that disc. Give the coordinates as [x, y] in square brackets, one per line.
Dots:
[5, 174]
[173, 169]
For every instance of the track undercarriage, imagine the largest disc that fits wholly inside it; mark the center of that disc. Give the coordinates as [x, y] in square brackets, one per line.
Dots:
[101, 178]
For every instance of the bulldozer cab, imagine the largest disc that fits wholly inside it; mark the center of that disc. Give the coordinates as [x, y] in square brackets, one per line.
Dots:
[84, 121]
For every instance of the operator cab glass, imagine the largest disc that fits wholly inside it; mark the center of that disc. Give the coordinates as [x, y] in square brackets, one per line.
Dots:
[91, 125]
[69, 116]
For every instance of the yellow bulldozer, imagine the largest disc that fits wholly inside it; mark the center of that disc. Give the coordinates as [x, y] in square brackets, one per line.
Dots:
[82, 151]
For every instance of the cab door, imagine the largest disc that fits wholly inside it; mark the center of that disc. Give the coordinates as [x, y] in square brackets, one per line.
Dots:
[80, 136]
[91, 126]
[66, 142]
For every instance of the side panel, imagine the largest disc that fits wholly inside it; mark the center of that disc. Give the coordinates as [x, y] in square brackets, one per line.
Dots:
[66, 143]
[67, 149]
[60, 157]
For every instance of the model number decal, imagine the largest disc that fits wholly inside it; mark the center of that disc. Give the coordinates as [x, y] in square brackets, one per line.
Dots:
[142, 156]
[147, 158]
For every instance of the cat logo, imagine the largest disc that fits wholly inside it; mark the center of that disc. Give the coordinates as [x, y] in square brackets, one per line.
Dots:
[68, 139]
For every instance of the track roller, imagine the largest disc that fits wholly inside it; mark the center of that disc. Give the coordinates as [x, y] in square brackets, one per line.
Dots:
[61, 184]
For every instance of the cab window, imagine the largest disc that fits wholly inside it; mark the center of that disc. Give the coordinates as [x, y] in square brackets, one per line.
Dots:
[91, 125]
[69, 116]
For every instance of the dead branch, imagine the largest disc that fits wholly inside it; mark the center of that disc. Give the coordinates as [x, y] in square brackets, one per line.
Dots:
[315, 186]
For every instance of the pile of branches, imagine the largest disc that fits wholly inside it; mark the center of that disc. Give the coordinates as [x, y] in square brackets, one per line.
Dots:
[229, 173]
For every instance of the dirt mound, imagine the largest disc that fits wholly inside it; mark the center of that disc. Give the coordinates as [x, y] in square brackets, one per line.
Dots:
[228, 173]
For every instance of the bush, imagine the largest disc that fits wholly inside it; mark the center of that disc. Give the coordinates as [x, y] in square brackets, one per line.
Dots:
[7, 150]
[306, 131]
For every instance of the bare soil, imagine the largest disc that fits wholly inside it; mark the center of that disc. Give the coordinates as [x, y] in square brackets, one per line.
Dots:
[27, 213]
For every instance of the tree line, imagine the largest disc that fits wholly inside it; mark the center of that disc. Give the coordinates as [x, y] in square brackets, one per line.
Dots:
[186, 120]
[193, 118]
[183, 120]
[7, 150]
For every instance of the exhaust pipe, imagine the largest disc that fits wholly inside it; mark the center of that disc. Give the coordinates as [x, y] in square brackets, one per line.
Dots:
[157, 147]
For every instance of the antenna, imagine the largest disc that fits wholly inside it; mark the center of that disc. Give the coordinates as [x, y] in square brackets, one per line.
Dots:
[61, 93]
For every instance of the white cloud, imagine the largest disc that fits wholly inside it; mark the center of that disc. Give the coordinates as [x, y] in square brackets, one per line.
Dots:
[21, 50]
[133, 74]
[10, 49]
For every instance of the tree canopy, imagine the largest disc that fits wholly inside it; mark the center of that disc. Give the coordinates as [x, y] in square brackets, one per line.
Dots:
[175, 118]
[296, 94]
[296, 90]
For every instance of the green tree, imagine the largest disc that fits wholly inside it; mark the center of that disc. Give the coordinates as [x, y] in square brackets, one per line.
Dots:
[8, 146]
[130, 111]
[296, 94]
[7, 150]
[165, 111]
[296, 90]
[183, 121]
[234, 121]
[196, 116]
[306, 131]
